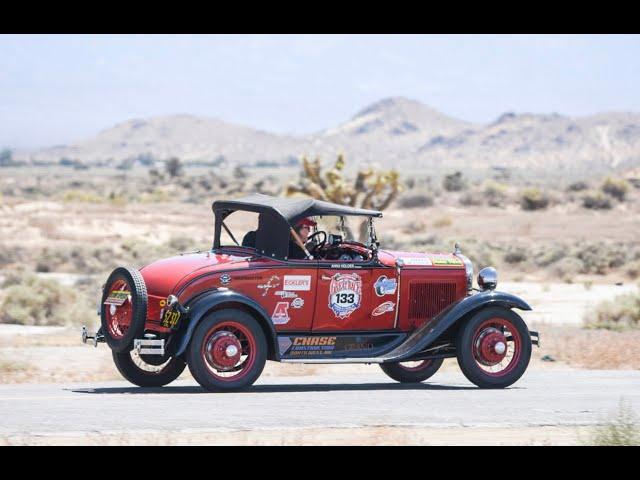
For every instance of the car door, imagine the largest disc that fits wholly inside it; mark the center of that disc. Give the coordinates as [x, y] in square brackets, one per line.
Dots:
[346, 298]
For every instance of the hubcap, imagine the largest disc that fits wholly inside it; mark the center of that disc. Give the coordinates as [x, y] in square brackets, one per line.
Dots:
[491, 346]
[223, 350]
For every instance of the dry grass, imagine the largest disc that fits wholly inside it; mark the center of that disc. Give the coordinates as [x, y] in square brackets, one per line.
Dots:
[621, 430]
[591, 349]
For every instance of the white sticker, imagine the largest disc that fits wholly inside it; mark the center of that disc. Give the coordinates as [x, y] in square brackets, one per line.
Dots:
[415, 261]
[283, 294]
[281, 313]
[297, 282]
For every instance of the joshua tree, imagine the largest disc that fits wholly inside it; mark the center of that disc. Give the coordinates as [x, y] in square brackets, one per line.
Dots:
[371, 189]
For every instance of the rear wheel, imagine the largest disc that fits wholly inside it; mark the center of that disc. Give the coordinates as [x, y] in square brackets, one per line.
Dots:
[139, 372]
[228, 351]
[412, 372]
[123, 308]
[494, 348]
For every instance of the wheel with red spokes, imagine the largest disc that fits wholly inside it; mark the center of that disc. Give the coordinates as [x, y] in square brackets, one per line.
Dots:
[228, 351]
[123, 308]
[494, 348]
[412, 372]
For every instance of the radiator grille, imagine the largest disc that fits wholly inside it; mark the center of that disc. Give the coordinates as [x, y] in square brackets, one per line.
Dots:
[426, 300]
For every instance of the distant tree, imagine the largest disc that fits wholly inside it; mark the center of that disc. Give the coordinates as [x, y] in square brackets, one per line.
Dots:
[6, 157]
[174, 167]
[453, 182]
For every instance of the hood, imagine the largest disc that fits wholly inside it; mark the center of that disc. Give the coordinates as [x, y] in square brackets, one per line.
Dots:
[163, 276]
[423, 260]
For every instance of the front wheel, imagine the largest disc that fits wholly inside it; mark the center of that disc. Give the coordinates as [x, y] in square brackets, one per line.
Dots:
[228, 351]
[412, 372]
[134, 368]
[494, 348]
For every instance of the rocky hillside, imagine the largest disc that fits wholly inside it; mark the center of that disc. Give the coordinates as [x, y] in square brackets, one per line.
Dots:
[393, 132]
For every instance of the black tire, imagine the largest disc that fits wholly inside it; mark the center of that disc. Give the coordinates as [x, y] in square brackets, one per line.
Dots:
[465, 349]
[199, 365]
[138, 301]
[401, 374]
[132, 372]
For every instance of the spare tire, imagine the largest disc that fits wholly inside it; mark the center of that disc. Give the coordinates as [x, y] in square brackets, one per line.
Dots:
[123, 310]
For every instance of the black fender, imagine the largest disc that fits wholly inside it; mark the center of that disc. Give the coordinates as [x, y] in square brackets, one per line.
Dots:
[428, 333]
[203, 304]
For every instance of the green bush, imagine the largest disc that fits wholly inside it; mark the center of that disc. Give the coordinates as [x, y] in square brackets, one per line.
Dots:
[616, 187]
[621, 313]
[495, 193]
[533, 199]
[419, 200]
[453, 182]
[596, 201]
[30, 300]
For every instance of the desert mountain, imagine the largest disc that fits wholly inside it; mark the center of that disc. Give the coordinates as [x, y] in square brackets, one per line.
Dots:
[392, 132]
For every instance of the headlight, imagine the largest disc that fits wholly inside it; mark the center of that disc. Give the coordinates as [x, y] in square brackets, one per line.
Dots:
[488, 278]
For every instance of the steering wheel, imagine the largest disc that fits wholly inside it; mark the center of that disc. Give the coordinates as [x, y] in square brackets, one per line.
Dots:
[313, 245]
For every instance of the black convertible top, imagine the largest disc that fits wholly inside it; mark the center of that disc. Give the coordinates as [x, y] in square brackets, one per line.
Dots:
[277, 215]
[291, 209]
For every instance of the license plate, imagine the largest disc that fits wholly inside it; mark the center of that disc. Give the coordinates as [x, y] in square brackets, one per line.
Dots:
[170, 319]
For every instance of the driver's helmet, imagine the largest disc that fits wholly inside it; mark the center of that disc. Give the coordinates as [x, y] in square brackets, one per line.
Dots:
[305, 222]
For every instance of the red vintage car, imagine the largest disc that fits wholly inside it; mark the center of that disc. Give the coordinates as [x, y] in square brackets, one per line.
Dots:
[226, 311]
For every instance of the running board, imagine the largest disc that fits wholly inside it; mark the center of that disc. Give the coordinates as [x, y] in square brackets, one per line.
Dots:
[332, 360]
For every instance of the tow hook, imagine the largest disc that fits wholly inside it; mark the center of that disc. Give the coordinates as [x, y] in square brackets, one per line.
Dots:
[96, 338]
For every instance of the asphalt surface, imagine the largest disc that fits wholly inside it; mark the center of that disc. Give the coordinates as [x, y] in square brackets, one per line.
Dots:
[540, 398]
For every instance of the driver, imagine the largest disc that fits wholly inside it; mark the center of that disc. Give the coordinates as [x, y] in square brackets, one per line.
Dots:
[303, 228]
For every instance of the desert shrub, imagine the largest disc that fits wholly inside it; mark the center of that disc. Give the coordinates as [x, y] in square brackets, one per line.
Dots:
[515, 254]
[389, 241]
[180, 244]
[633, 269]
[495, 193]
[577, 187]
[622, 430]
[443, 222]
[621, 313]
[596, 201]
[567, 268]
[418, 200]
[37, 301]
[81, 196]
[453, 182]
[471, 197]
[174, 167]
[548, 255]
[423, 240]
[533, 199]
[600, 257]
[616, 187]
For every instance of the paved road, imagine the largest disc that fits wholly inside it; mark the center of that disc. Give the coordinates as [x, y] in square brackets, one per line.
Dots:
[540, 398]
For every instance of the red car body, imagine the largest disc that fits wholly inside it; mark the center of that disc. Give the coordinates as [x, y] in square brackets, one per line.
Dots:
[224, 312]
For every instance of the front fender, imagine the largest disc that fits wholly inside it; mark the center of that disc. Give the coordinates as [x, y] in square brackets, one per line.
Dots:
[428, 333]
[204, 303]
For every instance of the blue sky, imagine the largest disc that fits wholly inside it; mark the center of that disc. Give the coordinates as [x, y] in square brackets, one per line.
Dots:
[57, 89]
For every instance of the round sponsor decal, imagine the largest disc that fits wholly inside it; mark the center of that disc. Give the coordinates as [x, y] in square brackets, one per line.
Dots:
[345, 293]
[385, 286]
[297, 302]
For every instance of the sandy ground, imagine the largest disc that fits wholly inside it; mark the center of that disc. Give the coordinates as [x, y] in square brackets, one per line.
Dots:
[463, 436]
